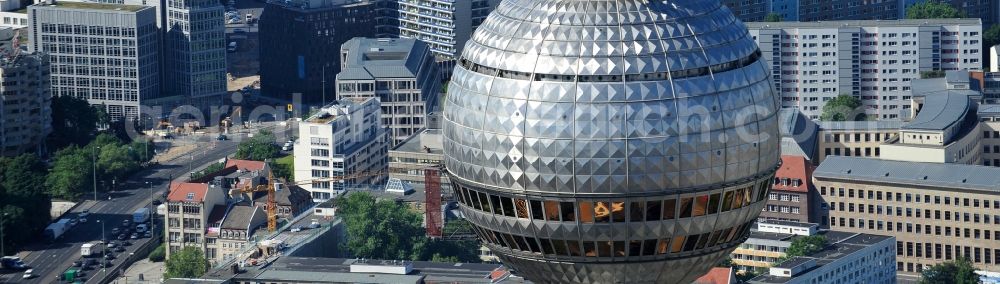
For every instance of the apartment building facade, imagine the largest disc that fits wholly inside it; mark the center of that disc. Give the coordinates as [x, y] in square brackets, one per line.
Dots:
[937, 212]
[104, 53]
[25, 101]
[445, 25]
[193, 209]
[401, 73]
[836, 10]
[813, 62]
[342, 146]
[236, 231]
[749, 10]
[791, 195]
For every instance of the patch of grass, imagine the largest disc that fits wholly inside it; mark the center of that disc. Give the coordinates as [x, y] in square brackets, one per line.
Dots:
[284, 167]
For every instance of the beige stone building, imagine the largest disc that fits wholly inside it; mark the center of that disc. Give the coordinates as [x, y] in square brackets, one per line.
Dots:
[409, 159]
[989, 117]
[193, 209]
[854, 138]
[937, 212]
[235, 231]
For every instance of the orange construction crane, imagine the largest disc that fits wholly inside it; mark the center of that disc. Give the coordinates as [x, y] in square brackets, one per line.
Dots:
[272, 205]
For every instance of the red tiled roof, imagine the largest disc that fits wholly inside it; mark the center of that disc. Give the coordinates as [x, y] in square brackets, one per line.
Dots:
[792, 168]
[245, 165]
[718, 275]
[179, 192]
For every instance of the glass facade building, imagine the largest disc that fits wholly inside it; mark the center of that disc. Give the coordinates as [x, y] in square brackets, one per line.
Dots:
[621, 141]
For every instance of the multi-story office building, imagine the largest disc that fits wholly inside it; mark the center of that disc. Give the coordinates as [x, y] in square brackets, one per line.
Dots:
[401, 73]
[104, 53]
[409, 160]
[858, 258]
[798, 134]
[192, 210]
[769, 240]
[194, 51]
[25, 99]
[791, 197]
[749, 10]
[989, 115]
[309, 69]
[938, 212]
[445, 25]
[341, 140]
[944, 128]
[855, 138]
[813, 62]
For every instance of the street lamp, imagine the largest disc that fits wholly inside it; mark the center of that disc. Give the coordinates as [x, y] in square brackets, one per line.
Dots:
[3, 250]
[104, 238]
[152, 214]
[94, 157]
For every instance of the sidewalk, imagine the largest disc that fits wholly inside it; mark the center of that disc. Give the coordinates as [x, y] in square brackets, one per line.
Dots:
[152, 272]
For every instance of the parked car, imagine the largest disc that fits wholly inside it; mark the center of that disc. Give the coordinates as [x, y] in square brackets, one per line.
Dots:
[222, 137]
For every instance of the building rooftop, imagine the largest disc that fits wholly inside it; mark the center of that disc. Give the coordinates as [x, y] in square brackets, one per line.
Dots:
[288, 195]
[187, 192]
[240, 216]
[794, 167]
[430, 272]
[370, 58]
[943, 176]
[798, 133]
[865, 23]
[717, 275]
[246, 165]
[942, 110]
[93, 6]
[838, 248]
[339, 277]
[989, 110]
[331, 112]
[426, 141]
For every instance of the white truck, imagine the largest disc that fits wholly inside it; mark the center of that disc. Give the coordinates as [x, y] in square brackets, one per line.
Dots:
[140, 215]
[90, 249]
[55, 230]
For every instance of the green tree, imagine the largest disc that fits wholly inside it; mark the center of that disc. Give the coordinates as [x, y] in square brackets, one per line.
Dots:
[725, 262]
[932, 74]
[959, 271]
[74, 122]
[773, 17]
[208, 170]
[806, 245]
[117, 161]
[158, 254]
[380, 229]
[842, 108]
[932, 9]
[258, 148]
[72, 173]
[991, 37]
[188, 262]
[23, 200]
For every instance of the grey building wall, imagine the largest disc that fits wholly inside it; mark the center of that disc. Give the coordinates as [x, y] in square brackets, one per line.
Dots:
[25, 104]
[749, 10]
[105, 53]
[195, 50]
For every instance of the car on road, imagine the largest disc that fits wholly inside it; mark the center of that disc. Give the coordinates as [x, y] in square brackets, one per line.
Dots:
[221, 137]
[28, 274]
[122, 237]
[109, 256]
[112, 244]
[157, 202]
[296, 229]
[126, 243]
[115, 231]
[126, 223]
[147, 234]
[83, 220]
[72, 222]
[107, 263]
[135, 236]
[119, 249]
[77, 263]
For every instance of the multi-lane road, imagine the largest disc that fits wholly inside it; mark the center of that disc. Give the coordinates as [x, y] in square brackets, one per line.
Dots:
[49, 260]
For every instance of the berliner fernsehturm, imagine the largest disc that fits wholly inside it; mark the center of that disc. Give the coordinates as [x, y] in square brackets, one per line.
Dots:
[611, 141]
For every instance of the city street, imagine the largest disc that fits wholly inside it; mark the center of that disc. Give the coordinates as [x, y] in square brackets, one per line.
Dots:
[50, 260]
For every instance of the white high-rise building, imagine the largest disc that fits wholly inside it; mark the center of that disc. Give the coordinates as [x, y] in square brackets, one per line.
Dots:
[813, 62]
[444, 24]
[343, 139]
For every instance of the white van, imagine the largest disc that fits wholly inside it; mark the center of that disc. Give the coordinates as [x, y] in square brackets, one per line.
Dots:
[232, 47]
